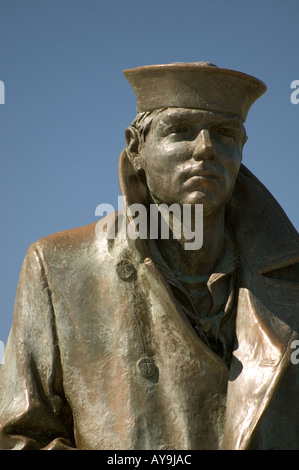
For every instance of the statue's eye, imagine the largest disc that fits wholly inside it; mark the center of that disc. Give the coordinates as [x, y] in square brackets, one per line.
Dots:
[225, 132]
[175, 130]
[179, 129]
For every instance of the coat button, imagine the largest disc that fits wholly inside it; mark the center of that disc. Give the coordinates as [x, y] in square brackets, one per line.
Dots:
[147, 367]
[126, 270]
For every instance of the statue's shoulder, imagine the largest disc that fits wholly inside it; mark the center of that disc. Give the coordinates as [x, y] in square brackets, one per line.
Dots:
[66, 239]
[80, 240]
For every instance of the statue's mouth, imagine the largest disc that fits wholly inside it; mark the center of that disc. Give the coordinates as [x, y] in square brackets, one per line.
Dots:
[201, 172]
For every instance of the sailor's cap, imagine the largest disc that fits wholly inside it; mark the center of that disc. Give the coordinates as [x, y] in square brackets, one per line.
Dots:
[196, 85]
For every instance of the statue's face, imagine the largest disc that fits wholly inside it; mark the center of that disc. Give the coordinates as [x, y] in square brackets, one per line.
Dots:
[192, 156]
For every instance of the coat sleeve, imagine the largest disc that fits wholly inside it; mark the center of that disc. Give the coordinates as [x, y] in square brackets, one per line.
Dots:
[34, 412]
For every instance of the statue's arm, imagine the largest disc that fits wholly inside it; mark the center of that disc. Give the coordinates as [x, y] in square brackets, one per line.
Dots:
[34, 413]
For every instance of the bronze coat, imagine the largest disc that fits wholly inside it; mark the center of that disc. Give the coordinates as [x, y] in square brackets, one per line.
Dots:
[100, 357]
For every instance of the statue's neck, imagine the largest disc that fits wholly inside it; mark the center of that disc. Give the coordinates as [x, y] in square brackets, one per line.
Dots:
[199, 262]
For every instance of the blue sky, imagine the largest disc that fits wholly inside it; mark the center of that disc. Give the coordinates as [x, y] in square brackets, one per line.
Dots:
[67, 102]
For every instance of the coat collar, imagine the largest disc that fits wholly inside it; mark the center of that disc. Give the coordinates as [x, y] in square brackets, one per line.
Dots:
[266, 241]
[265, 237]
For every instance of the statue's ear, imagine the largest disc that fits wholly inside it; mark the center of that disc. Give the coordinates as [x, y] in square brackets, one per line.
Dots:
[133, 143]
[245, 138]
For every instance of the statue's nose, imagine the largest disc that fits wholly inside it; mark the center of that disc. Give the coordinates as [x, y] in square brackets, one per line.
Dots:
[204, 147]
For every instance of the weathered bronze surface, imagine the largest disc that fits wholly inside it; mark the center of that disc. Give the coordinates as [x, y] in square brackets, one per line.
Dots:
[122, 343]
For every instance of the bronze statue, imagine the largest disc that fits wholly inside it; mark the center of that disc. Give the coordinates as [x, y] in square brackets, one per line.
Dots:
[138, 343]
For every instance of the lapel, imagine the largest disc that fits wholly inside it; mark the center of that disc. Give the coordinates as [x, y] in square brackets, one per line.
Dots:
[262, 355]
